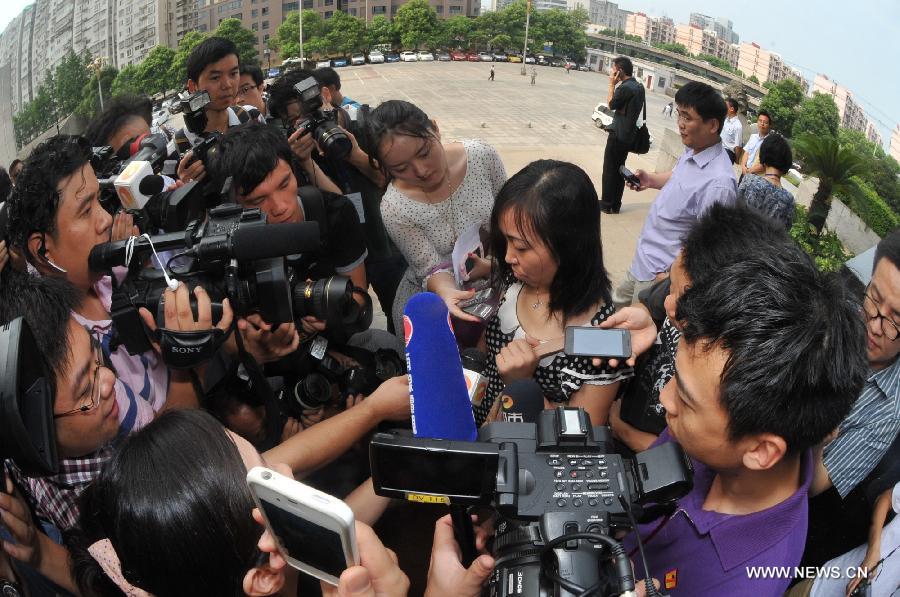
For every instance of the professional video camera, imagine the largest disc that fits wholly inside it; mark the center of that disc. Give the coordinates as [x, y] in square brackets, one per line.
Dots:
[124, 180]
[321, 124]
[558, 487]
[193, 108]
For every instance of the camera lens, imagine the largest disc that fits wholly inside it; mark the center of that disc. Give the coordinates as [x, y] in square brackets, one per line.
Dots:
[333, 141]
[312, 392]
[325, 299]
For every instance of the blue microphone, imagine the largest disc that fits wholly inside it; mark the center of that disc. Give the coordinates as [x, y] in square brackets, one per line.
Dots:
[437, 386]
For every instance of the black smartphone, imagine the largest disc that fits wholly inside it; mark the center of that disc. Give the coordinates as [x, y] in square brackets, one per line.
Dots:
[629, 176]
[589, 341]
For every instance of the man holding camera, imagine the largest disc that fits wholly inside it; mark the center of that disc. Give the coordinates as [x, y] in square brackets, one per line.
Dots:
[626, 97]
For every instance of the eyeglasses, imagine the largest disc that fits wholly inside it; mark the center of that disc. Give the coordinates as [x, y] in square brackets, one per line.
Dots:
[93, 393]
[872, 309]
[684, 117]
[243, 89]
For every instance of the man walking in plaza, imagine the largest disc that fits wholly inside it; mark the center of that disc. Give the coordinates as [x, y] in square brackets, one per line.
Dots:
[533, 74]
[626, 98]
[491, 77]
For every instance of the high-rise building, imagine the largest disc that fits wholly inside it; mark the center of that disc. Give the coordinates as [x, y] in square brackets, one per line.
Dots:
[895, 143]
[851, 113]
[549, 4]
[754, 60]
[607, 14]
[873, 134]
[649, 28]
[722, 26]
[706, 41]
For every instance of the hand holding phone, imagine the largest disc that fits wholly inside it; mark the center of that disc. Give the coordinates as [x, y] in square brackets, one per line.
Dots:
[314, 531]
[589, 341]
[630, 177]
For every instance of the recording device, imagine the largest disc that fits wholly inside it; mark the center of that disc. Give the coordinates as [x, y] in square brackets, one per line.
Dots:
[438, 394]
[321, 124]
[629, 176]
[483, 305]
[193, 107]
[474, 364]
[26, 402]
[120, 179]
[314, 531]
[522, 401]
[558, 487]
[590, 341]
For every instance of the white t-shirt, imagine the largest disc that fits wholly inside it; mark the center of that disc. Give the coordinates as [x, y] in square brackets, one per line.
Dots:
[732, 133]
[752, 147]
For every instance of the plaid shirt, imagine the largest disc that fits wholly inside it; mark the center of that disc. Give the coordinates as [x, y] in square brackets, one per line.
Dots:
[54, 498]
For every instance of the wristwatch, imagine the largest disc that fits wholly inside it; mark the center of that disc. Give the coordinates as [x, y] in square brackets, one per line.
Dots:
[10, 589]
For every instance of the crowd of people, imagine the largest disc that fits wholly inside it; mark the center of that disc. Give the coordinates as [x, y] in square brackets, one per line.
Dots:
[780, 382]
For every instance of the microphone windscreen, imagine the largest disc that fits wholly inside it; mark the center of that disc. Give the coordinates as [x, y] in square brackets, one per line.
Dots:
[440, 400]
[274, 240]
[152, 185]
[521, 401]
[474, 360]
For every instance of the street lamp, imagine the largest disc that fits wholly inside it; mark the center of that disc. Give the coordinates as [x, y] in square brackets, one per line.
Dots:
[300, 15]
[268, 53]
[525, 49]
[97, 66]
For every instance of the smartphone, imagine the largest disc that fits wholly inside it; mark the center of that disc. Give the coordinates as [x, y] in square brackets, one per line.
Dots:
[589, 341]
[314, 531]
[629, 176]
[481, 305]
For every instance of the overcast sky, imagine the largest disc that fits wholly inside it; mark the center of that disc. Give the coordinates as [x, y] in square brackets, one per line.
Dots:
[851, 42]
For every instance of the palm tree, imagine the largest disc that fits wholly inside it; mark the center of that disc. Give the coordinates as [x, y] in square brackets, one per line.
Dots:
[835, 165]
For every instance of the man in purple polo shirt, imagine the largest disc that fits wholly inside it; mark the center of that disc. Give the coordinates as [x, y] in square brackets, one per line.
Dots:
[761, 376]
[702, 176]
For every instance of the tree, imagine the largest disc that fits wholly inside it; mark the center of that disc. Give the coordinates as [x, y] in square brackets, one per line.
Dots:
[286, 40]
[564, 31]
[90, 98]
[416, 22]
[154, 72]
[817, 115]
[835, 166]
[128, 81]
[178, 70]
[753, 79]
[244, 39]
[674, 48]
[380, 31]
[781, 104]
[70, 77]
[346, 34]
[881, 172]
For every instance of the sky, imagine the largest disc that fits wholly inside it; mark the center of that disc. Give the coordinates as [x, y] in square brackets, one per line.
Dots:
[851, 42]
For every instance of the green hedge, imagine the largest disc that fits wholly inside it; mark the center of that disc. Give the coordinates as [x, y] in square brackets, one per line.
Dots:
[826, 249]
[872, 209]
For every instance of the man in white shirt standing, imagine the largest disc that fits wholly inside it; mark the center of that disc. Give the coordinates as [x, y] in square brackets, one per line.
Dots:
[750, 163]
[732, 131]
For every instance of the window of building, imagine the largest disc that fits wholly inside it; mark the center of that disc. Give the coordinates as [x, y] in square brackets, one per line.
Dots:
[456, 10]
[329, 14]
[393, 9]
[329, 2]
[352, 12]
[289, 7]
[265, 25]
[439, 8]
[265, 10]
[379, 10]
[307, 4]
[254, 27]
[254, 13]
[266, 38]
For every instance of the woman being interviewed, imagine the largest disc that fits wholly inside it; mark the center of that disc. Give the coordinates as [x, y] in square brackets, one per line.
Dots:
[436, 191]
[545, 234]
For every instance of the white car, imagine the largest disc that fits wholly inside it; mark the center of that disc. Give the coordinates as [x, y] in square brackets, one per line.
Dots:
[323, 64]
[485, 56]
[408, 57]
[529, 60]
[376, 57]
[425, 57]
[602, 116]
[358, 59]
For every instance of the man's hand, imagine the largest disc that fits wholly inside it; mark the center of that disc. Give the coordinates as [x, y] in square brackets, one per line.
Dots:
[180, 317]
[16, 517]
[291, 428]
[189, 169]
[264, 343]
[390, 400]
[446, 575]
[302, 144]
[643, 332]
[517, 360]
[378, 574]
[312, 325]
[123, 226]
[644, 177]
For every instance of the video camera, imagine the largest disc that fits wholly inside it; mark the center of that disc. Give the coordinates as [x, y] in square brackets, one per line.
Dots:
[558, 487]
[321, 124]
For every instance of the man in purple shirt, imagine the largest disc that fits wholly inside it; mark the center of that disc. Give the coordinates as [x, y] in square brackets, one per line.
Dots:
[761, 376]
[702, 176]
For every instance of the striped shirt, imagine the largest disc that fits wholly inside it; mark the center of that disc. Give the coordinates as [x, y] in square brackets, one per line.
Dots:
[867, 432]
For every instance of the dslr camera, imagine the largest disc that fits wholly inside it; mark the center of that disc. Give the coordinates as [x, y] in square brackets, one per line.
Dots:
[321, 124]
[559, 488]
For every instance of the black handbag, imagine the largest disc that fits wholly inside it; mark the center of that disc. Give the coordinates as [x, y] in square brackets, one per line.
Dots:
[641, 143]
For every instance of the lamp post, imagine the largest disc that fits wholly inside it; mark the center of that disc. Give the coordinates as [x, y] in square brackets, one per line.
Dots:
[525, 49]
[97, 66]
[268, 53]
[300, 15]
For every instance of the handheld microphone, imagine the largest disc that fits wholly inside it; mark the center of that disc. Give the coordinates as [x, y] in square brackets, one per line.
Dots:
[474, 364]
[521, 402]
[439, 399]
[128, 184]
[152, 185]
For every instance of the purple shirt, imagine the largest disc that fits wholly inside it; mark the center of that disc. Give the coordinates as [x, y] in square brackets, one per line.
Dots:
[701, 552]
[697, 181]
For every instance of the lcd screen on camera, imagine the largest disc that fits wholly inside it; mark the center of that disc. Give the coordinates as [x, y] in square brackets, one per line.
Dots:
[438, 472]
[306, 541]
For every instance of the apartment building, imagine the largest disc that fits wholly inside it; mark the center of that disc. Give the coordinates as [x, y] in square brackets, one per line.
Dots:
[873, 134]
[722, 26]
[607, 14]
[851, 113]
[753, 60]
[649, 28]
[895, 143]
[706, 41]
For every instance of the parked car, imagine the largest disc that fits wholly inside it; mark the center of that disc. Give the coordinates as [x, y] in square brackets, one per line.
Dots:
[584, 68]
[376, 57]
[543, 60]
[602, 116]
[408, 56]
[358, 59]
[472, 57]
[530, 59]
[339, 62]
[515, 58]
[458, 56]
[425, 57]
[291, 63]
[323, 64]
[485, 57]
[443, 57]
[392, 57]
[500, 57]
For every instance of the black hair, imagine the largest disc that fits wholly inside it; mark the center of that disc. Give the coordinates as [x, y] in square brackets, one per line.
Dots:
[255, 73]
[281, 92]
[6, 184]
[888, 247]
[764, 113]
[704, 99]
[623, 63]
[210, 50]
[14, 163]
[249, 153]
[181, 481]
[733, 103]
[725, 234]
[119, 112]
[35, 200]
[328, 77]
[46, 303]
[775, 151]
[393, 117]
[558, 203]
[795, 343]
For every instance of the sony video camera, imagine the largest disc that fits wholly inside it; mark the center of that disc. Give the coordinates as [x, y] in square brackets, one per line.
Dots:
[558, 487]
[332, 140]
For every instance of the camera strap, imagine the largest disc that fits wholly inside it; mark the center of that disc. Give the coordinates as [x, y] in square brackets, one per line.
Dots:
[186, 350]
[260, 386]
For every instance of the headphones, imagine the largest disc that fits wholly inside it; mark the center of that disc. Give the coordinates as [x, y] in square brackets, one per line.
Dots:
[42, 251]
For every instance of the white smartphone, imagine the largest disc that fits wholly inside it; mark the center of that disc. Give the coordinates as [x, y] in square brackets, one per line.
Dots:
[314, 531]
